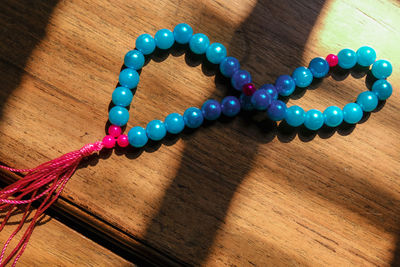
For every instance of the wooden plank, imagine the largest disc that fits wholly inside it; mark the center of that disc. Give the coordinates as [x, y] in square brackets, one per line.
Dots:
[55, 244]
[237, 192]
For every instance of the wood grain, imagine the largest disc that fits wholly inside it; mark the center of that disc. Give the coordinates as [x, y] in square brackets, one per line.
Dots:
[236, 192]
[54, 244]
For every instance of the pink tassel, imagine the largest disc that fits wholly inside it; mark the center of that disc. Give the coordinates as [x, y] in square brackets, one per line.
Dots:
[45, 181]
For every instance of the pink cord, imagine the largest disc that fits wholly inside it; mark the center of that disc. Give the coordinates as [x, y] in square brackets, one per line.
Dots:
[42, 181]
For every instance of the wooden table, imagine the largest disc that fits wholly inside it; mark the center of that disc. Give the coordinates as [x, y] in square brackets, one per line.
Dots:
[238, 192]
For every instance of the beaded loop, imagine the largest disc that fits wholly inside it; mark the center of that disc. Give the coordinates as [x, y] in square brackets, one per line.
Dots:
[263, 99]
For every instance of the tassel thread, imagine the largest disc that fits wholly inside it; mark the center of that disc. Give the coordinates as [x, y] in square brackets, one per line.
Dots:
[45, 181]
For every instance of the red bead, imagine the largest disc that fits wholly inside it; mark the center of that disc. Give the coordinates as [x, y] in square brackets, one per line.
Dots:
[332, 60]
[249, 89]
[123, 140]
[108, 141]
[114, 130]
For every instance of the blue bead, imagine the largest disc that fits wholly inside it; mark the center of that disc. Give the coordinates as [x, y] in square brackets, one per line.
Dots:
[129, 78]
[366, 56]
[245, 102]
[118, 116]
[122, 96]
[368, 101]
[193, 117]
[211, 109]
[215, 53]
[277, 110]
[347, 58]
[261, 99]
[352, 113]
[164, 39]
[183, 33]
[134, 59]
[156, 130]
[145, 44]
[271, 90]
[295, 116]
[174, 123]
[199, 43]
[285, 85]
[314, 119]
[333, 116]
[230, 106]
[302, 77]
[137, 137]
[229, 66]
[382, 89]
[240, 78]
[382, 69]
[319, 67]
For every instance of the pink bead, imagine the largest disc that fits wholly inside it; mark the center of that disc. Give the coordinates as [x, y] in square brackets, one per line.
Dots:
[114, 130]
[108, 141]
[123, 140]
[249, 89]
[332, 60]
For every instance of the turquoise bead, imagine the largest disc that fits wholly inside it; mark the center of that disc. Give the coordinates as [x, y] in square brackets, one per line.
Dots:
[199, 43]
[352, 113]
[319, 67]
[295, 116]
[368, 101]
[333, 116]
[382, 89]
[118, 116]
[302, 77]
[134, 59]
[164, 39]
[122, 96]
[193, 117]
[182, 33]
[174, 123]
[347, 58]
[314, 119]
[382, 69]
[366, 56]
[145, 44]
[129, 78]
[156, 130]
[137, 137]
[215, 53]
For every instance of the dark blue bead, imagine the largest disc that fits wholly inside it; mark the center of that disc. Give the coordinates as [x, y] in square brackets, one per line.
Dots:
[245, 102]
[261, 99]
[271, 90]
[230, 106]
[277, 110]
[229, 66]
[240, 78]
[211, 109]
[319, 67]
[285, 85]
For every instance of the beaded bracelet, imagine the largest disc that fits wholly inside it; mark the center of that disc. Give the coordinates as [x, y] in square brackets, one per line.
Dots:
[47, 181]
[263, 99]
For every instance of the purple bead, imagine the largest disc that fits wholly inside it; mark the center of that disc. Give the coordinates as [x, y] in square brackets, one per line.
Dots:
[245, 102]
[261, 99]
[285, 85]
[271, 90]
[240, 78]
[211, 109]
[230, 106]
[229, 66]
[277, 110]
